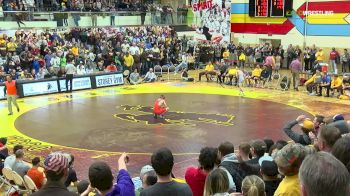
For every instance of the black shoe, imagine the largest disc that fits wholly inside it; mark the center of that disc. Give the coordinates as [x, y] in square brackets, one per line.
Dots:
[319, 95]
[17, 109]
[296, 89]
[10, 114]
[155, 116]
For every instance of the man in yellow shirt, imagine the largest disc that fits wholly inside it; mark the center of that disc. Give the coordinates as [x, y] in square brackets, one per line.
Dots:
[75, 50]
[320, 56]
[336, 84]
[231, 73]
[128, 61]
[256, 73]
[289, 160]
[209, 70]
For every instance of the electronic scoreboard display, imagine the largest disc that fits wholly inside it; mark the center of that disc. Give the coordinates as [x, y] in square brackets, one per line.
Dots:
[261, 8]
[270, 8]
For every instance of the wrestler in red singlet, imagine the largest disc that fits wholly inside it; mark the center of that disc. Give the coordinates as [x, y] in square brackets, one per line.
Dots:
[160, 107]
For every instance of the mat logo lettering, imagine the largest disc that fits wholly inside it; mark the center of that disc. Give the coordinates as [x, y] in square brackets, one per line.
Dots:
[144, 114]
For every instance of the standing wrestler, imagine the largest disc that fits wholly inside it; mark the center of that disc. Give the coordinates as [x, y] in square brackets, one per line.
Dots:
[160, 107]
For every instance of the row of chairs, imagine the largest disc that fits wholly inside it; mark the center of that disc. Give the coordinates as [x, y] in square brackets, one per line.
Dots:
[16, 182]
[160, 70]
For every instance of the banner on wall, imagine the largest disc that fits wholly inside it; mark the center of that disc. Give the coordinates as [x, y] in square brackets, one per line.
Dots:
[109, 80]
[212, 20]
[40, 88]
[78, 84]
[2, 96]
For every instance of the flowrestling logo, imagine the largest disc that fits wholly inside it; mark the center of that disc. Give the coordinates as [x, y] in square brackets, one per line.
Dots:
[109, 80]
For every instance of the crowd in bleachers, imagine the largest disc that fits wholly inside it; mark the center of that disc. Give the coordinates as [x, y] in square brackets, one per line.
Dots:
[315, 162]
[72, 5]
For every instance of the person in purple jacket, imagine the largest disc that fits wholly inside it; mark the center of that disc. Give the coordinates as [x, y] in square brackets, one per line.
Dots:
[101, 178]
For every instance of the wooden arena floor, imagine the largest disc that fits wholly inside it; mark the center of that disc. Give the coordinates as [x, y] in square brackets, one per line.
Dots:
[100, 124]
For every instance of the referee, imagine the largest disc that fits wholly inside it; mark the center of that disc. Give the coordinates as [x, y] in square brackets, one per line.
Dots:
[70, 71]
[10, 91]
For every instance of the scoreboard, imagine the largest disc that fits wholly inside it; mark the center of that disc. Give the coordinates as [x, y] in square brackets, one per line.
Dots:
[277, 8]
[270, 8]
[261, 8]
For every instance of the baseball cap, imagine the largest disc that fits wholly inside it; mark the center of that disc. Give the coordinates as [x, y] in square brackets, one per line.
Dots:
[269, 168]
[338, 117]
[289, 155]
[308, 124]
[145, 169]
[56, 162]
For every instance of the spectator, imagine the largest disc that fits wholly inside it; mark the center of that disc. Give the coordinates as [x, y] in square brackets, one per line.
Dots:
[231, 165]
[10, 160]
[195, 176]
[327, 137]
[20, 166]
[111, 68]
[336, 84]
[81, 69]
[209, 70]
[150, 76]
[334, 58]
[217, 183]
[253, 186]
[322, 174]
[296, 69]
[320, 56]
[345, 58]
[288, 160]
[4, 152]
[244, 151]
[36, 175]
[307, 127]
[72, 175]
[148, 177]
[341, 150]
[101, 178]
[135, 77]
[269, 173]
[128, 61]
[258, 149]
[325, 83]
[56, 171]
[163, 162]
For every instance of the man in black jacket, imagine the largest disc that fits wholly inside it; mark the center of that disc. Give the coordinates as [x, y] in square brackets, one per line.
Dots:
[230, 163]
[307, 127]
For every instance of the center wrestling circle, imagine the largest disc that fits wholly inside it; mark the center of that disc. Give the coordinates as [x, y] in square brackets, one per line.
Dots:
[125, 122]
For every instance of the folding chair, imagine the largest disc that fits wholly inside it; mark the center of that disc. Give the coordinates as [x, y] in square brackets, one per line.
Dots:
[275, 80]
[22, 188]
[30, 184]
[8, 176]
[171, 70]
[158, 71]
[165, 69]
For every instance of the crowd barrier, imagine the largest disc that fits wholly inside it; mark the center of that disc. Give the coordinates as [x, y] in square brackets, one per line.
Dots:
[26, 88]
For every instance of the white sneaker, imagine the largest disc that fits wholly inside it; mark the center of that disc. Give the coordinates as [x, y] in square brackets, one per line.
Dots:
[312, 94]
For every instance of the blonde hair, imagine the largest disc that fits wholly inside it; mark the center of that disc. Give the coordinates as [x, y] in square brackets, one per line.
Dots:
[216, 182]
[253, 186]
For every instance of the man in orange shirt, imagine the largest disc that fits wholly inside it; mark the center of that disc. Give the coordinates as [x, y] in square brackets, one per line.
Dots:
[11, 91]
[36, 175]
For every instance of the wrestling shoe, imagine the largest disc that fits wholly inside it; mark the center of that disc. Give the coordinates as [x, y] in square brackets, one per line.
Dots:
[155, 116]
[17, 109]
[10, 114]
